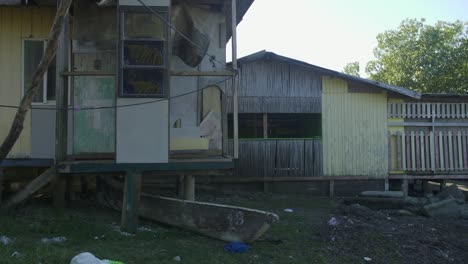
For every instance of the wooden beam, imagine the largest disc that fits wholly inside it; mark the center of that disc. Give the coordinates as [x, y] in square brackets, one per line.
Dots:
[235, 111]
[1, 184]
[34, 186]
[31, 163]
[203, 73]
[86, 73]
[429, 177]
[61, 114]
[189, 187]
[131, 201]
[429, 124]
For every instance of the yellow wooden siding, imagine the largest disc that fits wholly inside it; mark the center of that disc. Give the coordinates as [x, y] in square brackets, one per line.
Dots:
[17, 23]
[354, 131]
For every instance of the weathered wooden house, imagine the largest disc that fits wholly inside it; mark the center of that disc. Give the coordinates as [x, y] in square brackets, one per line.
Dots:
[136, 85]
[302, 123]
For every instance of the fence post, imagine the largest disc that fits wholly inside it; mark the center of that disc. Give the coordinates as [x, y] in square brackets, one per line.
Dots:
[431, 142]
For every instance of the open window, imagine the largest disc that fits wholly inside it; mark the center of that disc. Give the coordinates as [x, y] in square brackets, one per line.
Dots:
[33, 50]
[143, 47]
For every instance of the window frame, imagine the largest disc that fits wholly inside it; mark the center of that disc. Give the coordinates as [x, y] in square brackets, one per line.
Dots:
[44, 79]
[163, 11]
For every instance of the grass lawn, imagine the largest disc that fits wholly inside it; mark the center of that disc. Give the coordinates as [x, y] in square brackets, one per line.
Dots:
[302, 236]
[295, 239]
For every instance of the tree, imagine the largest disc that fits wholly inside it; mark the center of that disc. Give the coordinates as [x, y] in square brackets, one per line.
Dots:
[352, 68]
[424, 58]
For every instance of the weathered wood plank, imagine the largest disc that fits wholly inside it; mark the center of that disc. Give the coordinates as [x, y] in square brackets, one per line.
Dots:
[131, 201]
[398, 147]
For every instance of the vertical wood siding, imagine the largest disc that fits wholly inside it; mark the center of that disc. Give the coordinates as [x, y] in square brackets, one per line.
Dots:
[17, 23]
[354, 127]
[277, 87]
[279, 158]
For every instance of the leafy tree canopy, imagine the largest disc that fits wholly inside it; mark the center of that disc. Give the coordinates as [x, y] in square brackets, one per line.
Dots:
[424, 58]
[352, 68]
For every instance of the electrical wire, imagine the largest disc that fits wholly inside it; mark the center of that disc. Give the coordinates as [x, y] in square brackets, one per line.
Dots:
[122, 106]
[205, 53]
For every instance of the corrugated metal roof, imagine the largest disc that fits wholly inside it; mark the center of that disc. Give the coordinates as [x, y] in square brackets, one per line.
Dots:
[270, 55]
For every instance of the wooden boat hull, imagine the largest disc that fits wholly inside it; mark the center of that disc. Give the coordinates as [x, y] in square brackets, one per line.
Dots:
[224, 222]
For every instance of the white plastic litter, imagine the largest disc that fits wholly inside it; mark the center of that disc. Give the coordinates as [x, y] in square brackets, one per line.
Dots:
[5, 240]
[177, 258]
[367, 259]
[86, 258]
[332, 222]
[288, 210]
[15, 254]
[52, 240]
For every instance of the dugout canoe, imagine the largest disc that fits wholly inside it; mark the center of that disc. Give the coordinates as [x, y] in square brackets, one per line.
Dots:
[224, 222]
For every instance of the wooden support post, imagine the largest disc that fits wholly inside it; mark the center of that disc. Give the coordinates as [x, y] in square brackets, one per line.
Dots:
[1, 184]
[189, 187]
[235, 109]
[266, 184]
[443, 184]
[404, 187]
[426, 187]
[387, 185]
[131, 201]
[180, 186]
[61, 115]
[331, 186]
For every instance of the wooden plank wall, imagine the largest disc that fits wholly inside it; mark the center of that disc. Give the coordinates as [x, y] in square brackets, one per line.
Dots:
[354, 129]
[424, 151]
[279, 158]
[268, 86]
[17, 23]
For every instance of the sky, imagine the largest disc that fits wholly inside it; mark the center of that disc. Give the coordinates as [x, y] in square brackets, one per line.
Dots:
[332, 33]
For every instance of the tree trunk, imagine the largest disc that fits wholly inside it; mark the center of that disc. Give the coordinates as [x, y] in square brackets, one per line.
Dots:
[51, 48]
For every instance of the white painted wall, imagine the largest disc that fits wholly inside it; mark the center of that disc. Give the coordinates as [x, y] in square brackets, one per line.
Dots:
[142, 131]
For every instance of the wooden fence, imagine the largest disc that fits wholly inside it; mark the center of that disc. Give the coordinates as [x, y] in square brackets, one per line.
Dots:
[428, 110]
[279, 157]
[427, 151]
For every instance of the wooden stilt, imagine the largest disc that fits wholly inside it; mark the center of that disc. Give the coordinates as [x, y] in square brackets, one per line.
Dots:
[1, 185]
[443, 184]
[331, 186]
[404, 187]
[59, 189]
[181, 187]
[131, 201]
[189, 187]
[426, 187]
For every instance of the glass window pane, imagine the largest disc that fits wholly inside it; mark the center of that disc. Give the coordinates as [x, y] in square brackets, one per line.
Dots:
[143, 53]
[51, 75]
[33, 50]
[143, 81]
[143, 25]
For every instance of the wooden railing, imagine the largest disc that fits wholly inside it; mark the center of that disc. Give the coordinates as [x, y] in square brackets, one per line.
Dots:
[427, 110]
[279, 157]
[427, 151]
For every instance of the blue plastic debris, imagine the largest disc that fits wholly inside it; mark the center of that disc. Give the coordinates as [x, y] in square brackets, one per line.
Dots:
[236, 247]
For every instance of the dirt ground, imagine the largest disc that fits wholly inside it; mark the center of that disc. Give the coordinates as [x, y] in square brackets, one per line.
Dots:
[387, 236]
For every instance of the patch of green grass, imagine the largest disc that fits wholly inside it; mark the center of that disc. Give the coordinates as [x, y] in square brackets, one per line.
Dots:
[297, 234]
